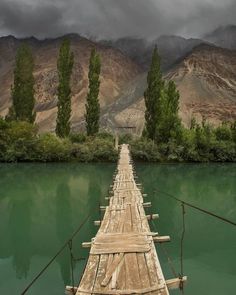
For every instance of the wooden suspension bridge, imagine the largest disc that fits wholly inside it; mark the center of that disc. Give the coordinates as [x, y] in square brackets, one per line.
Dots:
[123, 257]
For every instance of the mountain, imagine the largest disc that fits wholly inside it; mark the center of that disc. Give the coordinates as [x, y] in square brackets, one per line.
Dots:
[171, 49]
[204, 74]
[117, 71]
[224, 37]
[206, 80]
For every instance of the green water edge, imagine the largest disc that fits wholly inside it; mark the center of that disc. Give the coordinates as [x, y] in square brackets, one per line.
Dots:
[42, 204]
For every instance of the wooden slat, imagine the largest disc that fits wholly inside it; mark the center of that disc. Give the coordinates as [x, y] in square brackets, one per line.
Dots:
[124, 273]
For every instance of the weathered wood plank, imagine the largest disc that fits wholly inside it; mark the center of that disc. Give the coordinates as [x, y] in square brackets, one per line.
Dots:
[124, 273]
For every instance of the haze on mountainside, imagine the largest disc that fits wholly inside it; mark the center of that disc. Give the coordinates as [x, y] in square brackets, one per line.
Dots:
[204, 73]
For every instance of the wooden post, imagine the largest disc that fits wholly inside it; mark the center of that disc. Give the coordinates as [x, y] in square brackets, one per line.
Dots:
[116, 141]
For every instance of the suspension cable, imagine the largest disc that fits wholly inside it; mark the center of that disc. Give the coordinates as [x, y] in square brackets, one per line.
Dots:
[197, 208]
[57, 254]
[72, 267]
[181, 285]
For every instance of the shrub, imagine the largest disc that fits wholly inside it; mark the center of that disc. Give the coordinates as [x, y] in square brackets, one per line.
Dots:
[223, 132]
[95, 149]
[51, 148]
[18, 141]
[145, 150]
[77, 137]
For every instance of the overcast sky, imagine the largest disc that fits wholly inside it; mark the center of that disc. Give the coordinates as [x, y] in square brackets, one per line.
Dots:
[114, 18]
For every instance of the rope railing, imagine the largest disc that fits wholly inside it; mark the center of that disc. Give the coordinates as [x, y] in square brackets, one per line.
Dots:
[197, 208]
[68, 243]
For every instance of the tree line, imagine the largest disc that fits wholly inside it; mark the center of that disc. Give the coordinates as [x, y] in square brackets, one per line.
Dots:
[23, 93]
[164, 137]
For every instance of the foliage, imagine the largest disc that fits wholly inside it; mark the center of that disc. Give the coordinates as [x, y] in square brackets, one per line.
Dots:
[162, 106]
[19, 142]
[77, 137]
[169, 126]
[92, 106]
[64, 66]
[224, 132]
[152, 96]
[95, 149]
[145, 150]
[23, 99]
[53, 149]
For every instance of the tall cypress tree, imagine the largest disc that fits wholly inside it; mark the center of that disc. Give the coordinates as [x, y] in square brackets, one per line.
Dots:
[92, 106]
[65, 64]
[170, 124]
[23, 99]
[153, 96]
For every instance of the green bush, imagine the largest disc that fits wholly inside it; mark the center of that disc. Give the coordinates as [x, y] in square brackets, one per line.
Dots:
[51, 148]
[17, 141]
[77, 137]
[224, 132]
[95, 149]
[145, 150]
[125, 138]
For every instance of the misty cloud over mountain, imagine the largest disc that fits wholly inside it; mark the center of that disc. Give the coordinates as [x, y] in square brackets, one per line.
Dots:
[114, 18]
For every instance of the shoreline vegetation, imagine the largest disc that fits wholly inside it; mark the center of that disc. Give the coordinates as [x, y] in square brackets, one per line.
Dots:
[20, 142]
[164, 138]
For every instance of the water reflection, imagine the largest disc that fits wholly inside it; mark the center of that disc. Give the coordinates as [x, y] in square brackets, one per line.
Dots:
[64, 228]
[20, 241]
[40, 205]
[209, 245]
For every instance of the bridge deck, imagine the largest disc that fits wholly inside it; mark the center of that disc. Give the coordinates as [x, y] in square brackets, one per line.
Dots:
[123, 258]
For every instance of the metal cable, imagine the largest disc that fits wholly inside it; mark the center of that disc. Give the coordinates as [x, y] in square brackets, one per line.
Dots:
[72, 267]
[197, 208]
[57, 254]
[181, 285]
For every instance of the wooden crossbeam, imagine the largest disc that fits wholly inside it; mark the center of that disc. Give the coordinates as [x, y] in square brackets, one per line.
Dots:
[175, 283]
[161, 239]
[147, 205]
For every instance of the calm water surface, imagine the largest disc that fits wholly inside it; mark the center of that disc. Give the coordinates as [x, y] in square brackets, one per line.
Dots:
[42, 204]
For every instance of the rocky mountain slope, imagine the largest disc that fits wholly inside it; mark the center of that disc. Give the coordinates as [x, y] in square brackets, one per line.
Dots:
[206, 79]
[205, 76]
[117, 70]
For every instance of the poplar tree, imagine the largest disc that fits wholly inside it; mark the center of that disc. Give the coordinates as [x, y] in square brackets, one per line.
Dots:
[22, 93]
[152, 96]
[92, 106]
[170, 124]
[65, 64]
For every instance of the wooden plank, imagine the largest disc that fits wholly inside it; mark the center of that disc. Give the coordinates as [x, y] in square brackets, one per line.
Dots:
[112, 267]
[124, 273]
[89, 276]
[131, 262]
[175, 283]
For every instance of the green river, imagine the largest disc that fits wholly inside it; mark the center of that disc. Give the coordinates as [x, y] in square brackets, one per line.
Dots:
[42, 204]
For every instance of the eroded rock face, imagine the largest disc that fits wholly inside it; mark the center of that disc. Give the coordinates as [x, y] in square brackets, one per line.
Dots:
[117, 70]
[206, 80]
[205, 77]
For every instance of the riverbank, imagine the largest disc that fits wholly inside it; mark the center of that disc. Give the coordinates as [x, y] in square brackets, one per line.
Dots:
[20, 142]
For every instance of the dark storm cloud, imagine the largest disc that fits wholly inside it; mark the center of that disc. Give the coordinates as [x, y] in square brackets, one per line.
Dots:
[114, 18]
[25, 19]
